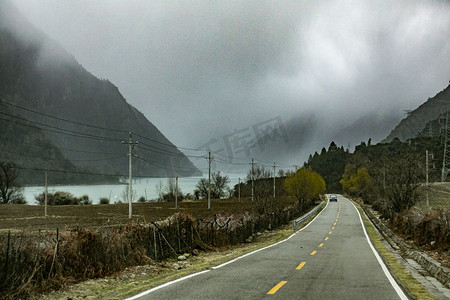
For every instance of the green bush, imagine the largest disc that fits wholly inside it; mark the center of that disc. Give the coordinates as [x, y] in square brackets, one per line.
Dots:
[62, 198]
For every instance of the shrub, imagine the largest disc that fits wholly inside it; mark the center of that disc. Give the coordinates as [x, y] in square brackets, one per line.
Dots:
[104, 200]
[85, 200]
[61, 198]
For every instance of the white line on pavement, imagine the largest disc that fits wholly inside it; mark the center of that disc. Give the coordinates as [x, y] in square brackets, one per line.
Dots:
[166, 284]
[224, 264]
[267, 247]
[394, 283]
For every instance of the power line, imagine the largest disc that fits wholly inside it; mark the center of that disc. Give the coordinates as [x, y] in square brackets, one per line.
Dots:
[180, 154]
[84, 135]
[73, 133]
[57, 159]
[56, 129]
[67, 171]
[165, 144]
[61, 119]
[93, 126]
[160, 166]
[68, 149]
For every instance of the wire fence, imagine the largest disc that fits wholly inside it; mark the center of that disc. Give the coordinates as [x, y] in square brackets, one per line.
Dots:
[36, 262]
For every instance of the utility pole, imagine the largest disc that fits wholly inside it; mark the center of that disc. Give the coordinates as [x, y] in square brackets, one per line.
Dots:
[253, 184]
[176, 192]
[426, 175]
[46, 193]
[209, 179]
[444, 160]
[274, 180]
[239, 189]
[131, 145]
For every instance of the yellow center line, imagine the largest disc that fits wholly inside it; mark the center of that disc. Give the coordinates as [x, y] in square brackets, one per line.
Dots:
[301, 265]
[276, 288]
[326, 239]
[334, 224]
[330, 232]
[314, 252]
[332, 227]
[320, 245]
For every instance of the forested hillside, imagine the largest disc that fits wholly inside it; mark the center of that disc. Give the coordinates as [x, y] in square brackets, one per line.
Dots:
[377, 159]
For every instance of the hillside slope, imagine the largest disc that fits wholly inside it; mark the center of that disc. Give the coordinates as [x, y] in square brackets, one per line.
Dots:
[42, 83]
[417, 120]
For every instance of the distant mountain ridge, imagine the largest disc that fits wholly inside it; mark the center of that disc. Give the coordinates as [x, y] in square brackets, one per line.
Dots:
[59, 94]
[424, 119]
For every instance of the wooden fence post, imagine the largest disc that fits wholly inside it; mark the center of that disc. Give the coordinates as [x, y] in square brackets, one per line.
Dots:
[5, 271]
[154, 238]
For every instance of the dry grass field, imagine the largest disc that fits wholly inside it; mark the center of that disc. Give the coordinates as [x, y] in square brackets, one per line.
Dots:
[439, 196]
[31, 217]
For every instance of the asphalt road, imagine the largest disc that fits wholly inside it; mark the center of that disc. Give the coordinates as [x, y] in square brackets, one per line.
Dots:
[329, 259]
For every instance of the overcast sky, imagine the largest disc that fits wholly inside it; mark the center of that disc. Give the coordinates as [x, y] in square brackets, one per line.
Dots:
[200, 69]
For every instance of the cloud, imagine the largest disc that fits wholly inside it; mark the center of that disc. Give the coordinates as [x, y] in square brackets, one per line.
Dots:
[201, 69]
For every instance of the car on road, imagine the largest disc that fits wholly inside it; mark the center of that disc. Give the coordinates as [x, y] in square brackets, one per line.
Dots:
[333, 198]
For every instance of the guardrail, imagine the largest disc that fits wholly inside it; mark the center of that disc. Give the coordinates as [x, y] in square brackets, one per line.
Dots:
[299, 221]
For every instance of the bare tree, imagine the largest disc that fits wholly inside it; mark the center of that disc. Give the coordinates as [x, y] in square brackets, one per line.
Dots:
[263, 188]
[125, 194]
[202, 187]
[170, 189]
[219, 185]
[159, 190]
[398, 181]
[10, 191]
[403, 181]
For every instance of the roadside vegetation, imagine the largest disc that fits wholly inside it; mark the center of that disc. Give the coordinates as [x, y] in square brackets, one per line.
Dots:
[391, 179]
[78, 242]
[399, 272]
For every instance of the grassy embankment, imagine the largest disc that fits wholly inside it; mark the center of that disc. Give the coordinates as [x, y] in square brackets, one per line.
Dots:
[397, 269]
[133, 280]
[439, 196]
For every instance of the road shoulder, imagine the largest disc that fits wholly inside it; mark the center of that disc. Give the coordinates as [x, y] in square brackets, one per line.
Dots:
[409, 284]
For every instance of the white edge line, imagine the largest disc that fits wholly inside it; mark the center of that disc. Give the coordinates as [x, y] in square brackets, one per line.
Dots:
[222, 265]
[391, 279]
[267, 247]
[166, 284]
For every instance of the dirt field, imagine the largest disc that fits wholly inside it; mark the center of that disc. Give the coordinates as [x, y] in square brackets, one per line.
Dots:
[31, 217]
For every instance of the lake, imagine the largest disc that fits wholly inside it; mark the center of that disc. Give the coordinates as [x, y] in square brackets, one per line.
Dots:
[143, 187]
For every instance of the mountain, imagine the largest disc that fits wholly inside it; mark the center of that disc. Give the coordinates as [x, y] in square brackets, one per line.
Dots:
[423, 119]
[83, 117]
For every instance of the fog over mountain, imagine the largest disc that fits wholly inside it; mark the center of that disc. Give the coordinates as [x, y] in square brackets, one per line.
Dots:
[56, 116]
[219, 73]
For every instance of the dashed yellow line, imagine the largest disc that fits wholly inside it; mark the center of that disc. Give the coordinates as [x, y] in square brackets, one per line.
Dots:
[332, 227]
[330, 232]
[314, 252]
[276, 288]
[320, 246]
[326, 239]
[301, 265]
[334, 224]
